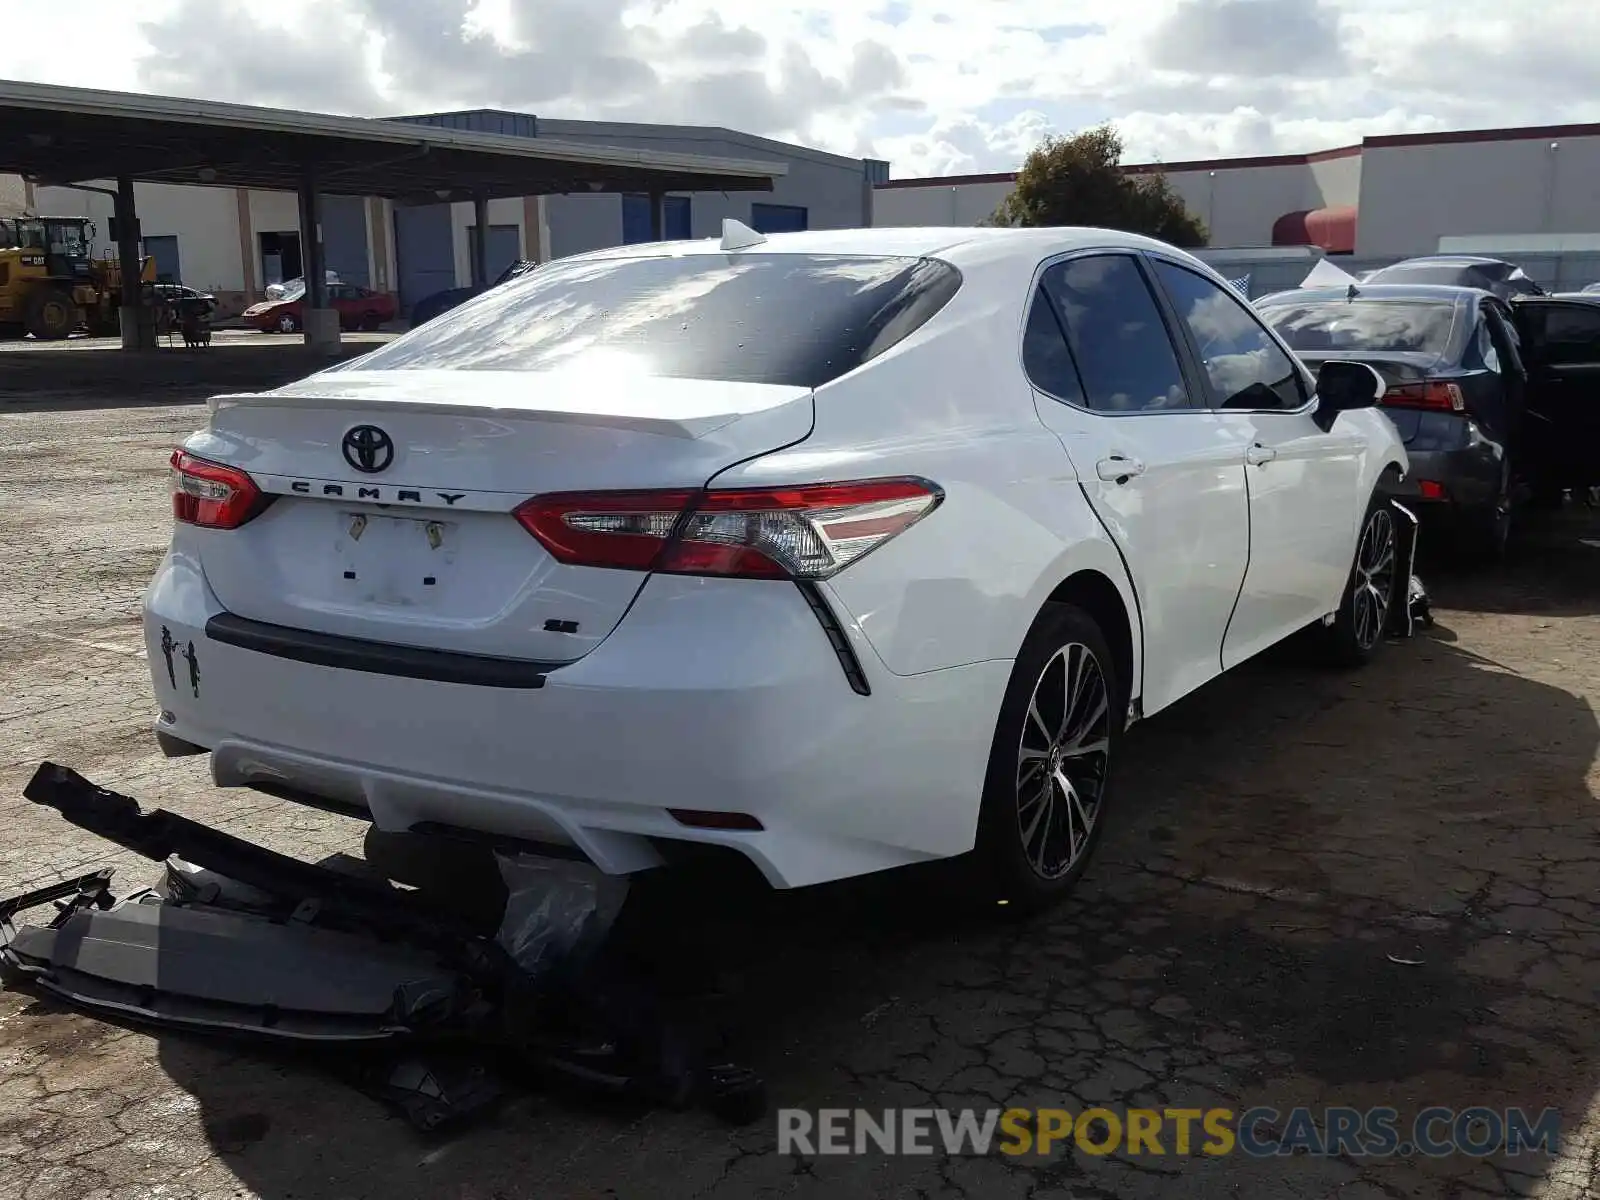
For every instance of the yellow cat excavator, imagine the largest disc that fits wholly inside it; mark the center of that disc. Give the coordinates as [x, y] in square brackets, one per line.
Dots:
[52, 285]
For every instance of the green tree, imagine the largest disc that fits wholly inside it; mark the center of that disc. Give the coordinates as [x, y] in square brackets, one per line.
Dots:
[1079, 180]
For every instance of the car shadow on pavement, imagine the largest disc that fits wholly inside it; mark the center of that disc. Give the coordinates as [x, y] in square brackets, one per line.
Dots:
[1552, 568]
[1319, 888]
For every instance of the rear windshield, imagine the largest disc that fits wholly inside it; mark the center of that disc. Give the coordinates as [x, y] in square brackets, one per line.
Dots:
[1417, 326]
[746, 318]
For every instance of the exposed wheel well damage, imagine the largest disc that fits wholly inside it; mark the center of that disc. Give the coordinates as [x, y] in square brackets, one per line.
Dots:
[1098, 596]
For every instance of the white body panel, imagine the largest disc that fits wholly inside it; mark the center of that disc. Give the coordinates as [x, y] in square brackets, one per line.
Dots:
[719, 694]
[723, 691]
[1183, 525]
[1308, 490]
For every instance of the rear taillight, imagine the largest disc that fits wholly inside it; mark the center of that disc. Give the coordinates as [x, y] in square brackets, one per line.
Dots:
[806, 532]
[1433, 394]
[212, 495]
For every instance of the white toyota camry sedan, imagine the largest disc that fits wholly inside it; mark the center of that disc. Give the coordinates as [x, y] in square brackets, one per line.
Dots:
[843, 550]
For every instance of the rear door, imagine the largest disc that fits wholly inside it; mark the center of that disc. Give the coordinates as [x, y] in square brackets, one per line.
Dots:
[1304, 484]
[1561, 347]
[1155, 464]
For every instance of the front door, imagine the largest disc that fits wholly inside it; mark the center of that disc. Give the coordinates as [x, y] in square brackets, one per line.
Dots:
[1303, 483]
[1561, 421]
[1155, 464]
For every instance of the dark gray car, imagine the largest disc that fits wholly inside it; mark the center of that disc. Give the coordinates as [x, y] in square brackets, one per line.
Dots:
[1456, 388]
[1495, 275]
[1493, 399]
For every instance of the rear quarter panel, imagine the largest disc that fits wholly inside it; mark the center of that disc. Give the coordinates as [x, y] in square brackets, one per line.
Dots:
[951, 404]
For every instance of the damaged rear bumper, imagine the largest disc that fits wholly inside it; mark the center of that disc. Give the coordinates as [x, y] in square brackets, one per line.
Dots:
[238, 939]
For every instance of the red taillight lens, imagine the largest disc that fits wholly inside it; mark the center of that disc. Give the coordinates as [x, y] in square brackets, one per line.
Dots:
[212, 495]
[1435, 395]
[807, 532]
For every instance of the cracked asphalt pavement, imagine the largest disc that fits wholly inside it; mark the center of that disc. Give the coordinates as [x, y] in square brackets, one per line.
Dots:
[1379, 888]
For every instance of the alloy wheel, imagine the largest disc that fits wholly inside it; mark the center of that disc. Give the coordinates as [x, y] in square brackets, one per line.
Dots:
[1062, 761]
[1374, 578]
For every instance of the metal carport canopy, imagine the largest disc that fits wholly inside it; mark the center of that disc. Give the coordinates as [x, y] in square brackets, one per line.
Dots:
[67, 135]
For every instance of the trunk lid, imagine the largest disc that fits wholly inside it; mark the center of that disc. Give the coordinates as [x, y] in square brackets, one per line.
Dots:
[420, 547]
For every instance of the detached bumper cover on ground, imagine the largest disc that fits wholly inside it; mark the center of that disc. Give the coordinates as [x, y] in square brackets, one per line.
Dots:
[239, 939]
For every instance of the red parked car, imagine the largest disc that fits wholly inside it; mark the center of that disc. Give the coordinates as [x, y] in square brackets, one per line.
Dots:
[358, 308]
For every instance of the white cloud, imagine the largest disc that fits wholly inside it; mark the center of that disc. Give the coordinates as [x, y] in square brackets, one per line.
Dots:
[936, 86]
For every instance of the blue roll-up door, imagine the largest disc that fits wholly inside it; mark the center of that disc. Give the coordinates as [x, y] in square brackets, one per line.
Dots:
[424, 250]
[778, 218]
[676, 220]
[344, 238]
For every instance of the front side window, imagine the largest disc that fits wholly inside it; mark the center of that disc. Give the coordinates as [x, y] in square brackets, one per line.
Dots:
[794, 319]
[1381, 326]
[1124, 354]
[1246, 368]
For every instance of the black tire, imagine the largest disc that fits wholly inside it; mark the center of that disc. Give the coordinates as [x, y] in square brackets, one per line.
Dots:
[371, 323]
[1014, 866]
[1358, 632]
[288, 323]
[50, 316]
[1483, 535]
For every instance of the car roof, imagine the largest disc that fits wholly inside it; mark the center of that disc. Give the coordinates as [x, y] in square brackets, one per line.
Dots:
[952, 244]
[1384, 291]
[1450, 260]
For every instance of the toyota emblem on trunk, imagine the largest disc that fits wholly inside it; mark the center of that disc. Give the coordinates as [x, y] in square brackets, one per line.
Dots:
[368, 448]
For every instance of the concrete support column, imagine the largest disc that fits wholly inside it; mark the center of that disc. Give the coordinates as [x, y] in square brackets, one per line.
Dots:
[536, 217]
[480, 252]
[321, 323]
[138, 321]
[658, 216]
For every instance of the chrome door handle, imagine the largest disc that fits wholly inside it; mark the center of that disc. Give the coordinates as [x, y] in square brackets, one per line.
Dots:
[1259, 455]
[1118, 469]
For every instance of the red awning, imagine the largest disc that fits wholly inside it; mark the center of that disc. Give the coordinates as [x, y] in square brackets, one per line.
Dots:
[1333, 229]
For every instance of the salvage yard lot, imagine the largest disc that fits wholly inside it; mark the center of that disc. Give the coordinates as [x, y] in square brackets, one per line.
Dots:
[1279, 840]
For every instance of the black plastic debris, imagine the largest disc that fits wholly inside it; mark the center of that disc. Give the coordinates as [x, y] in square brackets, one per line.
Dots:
[433, 1092]
[497, 964]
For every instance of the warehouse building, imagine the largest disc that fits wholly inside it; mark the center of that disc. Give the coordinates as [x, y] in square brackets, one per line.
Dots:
[1531, 191]
[235, 242]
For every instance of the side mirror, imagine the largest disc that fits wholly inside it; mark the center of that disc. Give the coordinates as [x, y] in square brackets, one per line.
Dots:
[1343, 386]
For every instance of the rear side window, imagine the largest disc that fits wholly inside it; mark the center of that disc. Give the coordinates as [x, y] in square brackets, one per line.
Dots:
[1118, 339]
[1045, 356]
[1571, 333]
[791, 319]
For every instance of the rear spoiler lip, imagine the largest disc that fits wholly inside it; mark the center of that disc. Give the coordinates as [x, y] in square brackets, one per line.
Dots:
[327, 389]
[659, 426]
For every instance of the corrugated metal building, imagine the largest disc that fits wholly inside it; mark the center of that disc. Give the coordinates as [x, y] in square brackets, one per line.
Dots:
[1384, 199]
[234, 242]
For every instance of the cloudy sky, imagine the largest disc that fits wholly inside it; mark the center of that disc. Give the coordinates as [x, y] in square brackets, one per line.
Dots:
[935, 86]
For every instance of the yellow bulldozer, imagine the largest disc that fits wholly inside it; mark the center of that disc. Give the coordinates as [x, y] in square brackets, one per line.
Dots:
[51, 285]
